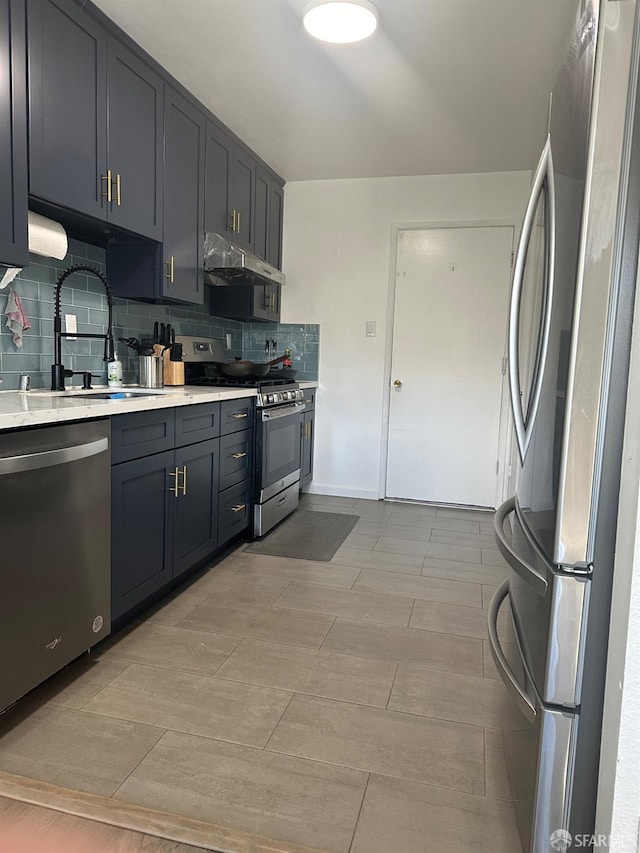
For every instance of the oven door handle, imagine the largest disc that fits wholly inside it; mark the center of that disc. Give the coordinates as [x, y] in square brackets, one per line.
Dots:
[282, 411]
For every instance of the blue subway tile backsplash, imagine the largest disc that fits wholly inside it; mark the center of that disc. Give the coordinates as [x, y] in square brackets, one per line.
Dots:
[264, 341]
[83, 296]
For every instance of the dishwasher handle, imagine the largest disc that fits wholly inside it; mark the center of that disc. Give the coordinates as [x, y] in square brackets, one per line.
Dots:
[48, 458]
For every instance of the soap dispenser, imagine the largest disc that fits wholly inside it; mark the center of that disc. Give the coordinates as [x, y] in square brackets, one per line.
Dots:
[114, 373]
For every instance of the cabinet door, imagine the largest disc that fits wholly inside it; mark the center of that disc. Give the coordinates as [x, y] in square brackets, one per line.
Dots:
[269, 198]
[236, 458]
[142, 522]
[276, 212]
[261, 218]
[196, 507]
[306, 449]
[234, 511]
[67, 106]
[241, 195]
[183, 200]
[13, 135]
[217, 211]
[135, 102]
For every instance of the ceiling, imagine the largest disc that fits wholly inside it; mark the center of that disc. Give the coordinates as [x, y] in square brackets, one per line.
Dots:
[444, 86]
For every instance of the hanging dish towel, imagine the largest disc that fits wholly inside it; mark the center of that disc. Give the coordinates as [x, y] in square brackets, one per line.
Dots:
[17, 320]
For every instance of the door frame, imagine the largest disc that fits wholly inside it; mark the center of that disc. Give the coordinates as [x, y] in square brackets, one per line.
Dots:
[505, 434]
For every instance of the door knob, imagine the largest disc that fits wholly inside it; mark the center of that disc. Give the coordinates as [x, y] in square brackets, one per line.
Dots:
[397, 383]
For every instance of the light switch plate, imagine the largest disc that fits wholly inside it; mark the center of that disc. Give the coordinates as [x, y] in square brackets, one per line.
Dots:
[370, 327]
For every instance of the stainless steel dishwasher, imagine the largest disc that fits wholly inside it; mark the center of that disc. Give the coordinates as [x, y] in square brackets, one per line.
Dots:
[55, 597]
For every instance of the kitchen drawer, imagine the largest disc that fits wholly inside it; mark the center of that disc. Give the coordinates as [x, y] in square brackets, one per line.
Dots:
[234, 506]
[236, 458]
[197, 423]
[141, 433]
[310, 397]
[236, 415]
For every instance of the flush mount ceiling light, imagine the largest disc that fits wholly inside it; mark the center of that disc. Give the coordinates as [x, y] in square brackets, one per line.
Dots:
[341, 21]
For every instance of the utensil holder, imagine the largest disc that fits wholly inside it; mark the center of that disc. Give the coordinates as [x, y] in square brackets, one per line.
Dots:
[151, 371]
[173, 370]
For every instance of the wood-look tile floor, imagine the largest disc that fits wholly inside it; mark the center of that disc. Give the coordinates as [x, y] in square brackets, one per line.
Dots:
[278, 704]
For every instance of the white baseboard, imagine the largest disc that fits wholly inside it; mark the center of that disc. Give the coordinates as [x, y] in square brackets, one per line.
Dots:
[343, 492]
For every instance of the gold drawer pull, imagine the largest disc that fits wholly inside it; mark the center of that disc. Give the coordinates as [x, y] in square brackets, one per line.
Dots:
[238, 508]
[169, 265]
[118, 199]
[239, 415]
[238, 455]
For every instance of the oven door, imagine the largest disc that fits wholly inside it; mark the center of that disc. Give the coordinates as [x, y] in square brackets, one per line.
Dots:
[278, 449]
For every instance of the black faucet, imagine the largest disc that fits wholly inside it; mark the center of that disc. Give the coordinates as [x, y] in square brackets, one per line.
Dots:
[58, 372]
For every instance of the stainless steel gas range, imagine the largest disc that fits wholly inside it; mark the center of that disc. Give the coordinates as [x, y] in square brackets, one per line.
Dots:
[277, 428]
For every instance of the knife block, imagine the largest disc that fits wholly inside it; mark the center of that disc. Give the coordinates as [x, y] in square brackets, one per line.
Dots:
[173, 370]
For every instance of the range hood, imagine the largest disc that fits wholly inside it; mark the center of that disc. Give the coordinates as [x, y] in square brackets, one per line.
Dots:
[226, 263]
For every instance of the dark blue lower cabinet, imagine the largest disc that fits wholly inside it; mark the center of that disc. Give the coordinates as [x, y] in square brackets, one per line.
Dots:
[142, 513]
[195, 533]
[234, 511]
[173, 509]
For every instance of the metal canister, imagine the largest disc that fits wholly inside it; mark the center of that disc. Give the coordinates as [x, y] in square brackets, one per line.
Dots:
[151, 371]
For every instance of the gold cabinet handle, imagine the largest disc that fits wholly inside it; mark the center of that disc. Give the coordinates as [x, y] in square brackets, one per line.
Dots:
[175, 488]
[238, 508]
[234, 220]
[238, 455]
[118, 188]
[169, 265]
[184, 480]
[238, 222]
[107, 178]
[239, 415]
[397, 383]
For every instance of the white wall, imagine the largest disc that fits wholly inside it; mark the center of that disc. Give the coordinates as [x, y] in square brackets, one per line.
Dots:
[337, 254]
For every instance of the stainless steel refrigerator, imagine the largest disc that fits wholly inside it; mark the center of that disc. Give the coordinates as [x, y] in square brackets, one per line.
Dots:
[569, 341]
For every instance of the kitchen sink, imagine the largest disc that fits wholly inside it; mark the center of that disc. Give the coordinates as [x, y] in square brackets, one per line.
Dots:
[116, 395]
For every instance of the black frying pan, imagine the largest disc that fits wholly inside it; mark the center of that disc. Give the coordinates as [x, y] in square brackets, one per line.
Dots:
[240, 368]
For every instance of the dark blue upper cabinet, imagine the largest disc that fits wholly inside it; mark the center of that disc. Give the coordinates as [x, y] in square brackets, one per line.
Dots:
[134, 147]
[184, 147]
[95, 120]
[13, 135]
[67, 106]
[269, 198]
[218, 215]
[230, 188]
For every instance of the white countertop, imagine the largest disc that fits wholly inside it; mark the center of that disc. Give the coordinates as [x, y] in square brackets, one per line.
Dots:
[34, 408]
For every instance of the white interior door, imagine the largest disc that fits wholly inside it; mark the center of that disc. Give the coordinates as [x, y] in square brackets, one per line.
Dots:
[450, 317]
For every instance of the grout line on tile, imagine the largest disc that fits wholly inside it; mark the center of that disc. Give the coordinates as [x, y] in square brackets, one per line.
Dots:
[137, 764]
[265, 746]
[408, 625]
[357, 821]
[357, 577]
[393, 682]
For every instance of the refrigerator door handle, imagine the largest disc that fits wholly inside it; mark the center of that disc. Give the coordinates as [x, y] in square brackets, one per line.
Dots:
[544, 174]
[499, 658]
[525, 570]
